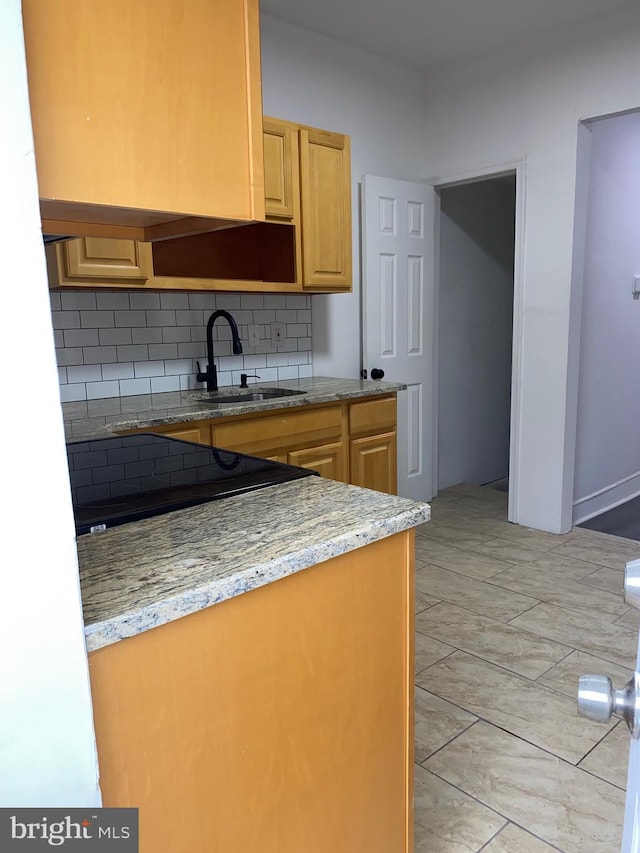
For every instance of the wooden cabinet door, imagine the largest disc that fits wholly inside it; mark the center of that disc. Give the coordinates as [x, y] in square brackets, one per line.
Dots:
[145, 114]
[281, 179]
[97, 258]
[279, 720]
[325, 194]
[373, 462]
[328, 460]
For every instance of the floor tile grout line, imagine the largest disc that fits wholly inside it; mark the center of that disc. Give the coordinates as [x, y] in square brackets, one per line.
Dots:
[508, 731]
[568, 654]
[482, 802]
[500, 622]
[524, 740]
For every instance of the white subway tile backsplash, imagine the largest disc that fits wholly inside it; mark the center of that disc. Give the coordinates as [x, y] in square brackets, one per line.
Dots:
[66, 319]
[148, 368]
[130, 318]
[99, 355]
[143, 335]
[228, 301]
[100, 390]
[134, 386]
[69, 355]
[191, 350]
[203, 301]
[135, 352]
[161, 318]
[264, 316]
[287, 373]
[251, 300]
[90, 373]
[277, 359]
[81, 338]
[305, 371]
[159, 352]
[192, 317]
[97, 319]
[275, 301]
[298, 300]
[253, 362]
[164, 383]
[76, 300]
[144, 301]
[73, 393]
[179, 367]
[112, 301]
[176, 335]
[296, 330]
[121, 370]
[133, 342]
[114, 337]
[174, 301]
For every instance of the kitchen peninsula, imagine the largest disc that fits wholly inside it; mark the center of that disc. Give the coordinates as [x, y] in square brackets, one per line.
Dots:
[251, 660]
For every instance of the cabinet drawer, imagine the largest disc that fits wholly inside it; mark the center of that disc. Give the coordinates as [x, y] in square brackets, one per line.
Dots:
[287, 430]
[372, 416]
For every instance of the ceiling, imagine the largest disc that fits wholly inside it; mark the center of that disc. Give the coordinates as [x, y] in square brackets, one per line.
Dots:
[430, 34]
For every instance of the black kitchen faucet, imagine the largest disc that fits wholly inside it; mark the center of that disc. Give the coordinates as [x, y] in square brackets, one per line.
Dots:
[210, 374]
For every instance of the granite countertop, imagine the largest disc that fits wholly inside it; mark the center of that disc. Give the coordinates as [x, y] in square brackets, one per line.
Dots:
[98, 418]
[147, 573]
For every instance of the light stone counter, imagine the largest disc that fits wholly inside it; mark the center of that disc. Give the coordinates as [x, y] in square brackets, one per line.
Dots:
[147, 573]
[98, 418]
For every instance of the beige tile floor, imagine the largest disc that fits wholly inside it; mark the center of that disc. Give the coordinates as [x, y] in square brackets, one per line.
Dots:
[507, 618]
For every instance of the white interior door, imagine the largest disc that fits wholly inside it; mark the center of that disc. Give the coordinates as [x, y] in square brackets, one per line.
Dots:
[599, 700]
[397, 315]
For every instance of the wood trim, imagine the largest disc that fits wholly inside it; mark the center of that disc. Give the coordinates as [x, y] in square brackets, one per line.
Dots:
[254, 111]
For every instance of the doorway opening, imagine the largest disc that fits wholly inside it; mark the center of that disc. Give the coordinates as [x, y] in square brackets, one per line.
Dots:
[607, 451]
[475, 331]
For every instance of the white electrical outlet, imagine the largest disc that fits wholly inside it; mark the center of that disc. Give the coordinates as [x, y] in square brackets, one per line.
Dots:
[277, 334]
[254, 335]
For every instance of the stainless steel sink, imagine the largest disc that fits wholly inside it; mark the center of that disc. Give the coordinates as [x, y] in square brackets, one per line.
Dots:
[246, 396]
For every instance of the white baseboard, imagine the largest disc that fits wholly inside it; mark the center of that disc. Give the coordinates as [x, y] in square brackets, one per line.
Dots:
[606, 498]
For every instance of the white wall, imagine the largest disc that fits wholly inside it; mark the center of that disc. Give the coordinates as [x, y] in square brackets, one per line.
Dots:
[47, 750]
[607, 438]
[318, 81]
[475, 308]
[527, 102]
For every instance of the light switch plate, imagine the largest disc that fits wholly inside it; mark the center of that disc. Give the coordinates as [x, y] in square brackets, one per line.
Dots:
[277, 334]
[254, 335]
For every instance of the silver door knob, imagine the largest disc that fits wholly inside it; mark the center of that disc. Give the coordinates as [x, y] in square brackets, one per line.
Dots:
[598, 701]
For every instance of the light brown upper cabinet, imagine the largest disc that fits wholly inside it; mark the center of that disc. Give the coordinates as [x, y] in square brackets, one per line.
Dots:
[147, 116]
[325, 198]
[99, 261]
[305, 244]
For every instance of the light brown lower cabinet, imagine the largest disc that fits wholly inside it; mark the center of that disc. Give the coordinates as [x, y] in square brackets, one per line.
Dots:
[353, 442]
[279, 721]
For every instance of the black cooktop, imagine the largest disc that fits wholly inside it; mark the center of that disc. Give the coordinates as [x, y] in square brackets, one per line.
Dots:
[126, 478]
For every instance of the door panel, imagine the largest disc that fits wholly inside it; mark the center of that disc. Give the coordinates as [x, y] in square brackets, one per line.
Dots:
[398, 310]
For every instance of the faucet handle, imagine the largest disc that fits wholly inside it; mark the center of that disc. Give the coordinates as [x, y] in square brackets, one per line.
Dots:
[245, 376]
